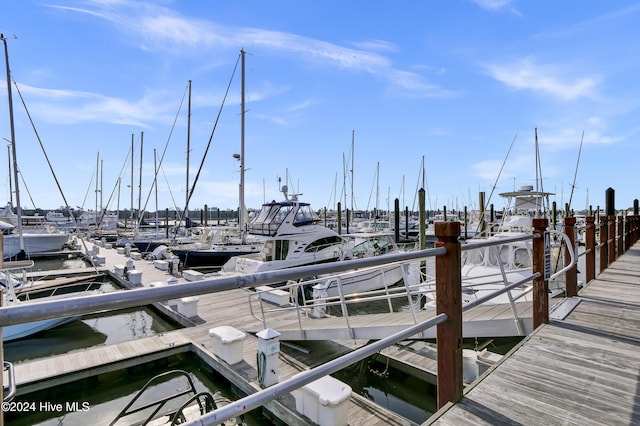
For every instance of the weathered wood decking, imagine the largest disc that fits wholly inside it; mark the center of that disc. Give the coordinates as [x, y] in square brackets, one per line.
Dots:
[583, 370]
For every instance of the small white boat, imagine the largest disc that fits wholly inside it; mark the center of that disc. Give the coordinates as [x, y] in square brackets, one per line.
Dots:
[11, 281]
[184, 403]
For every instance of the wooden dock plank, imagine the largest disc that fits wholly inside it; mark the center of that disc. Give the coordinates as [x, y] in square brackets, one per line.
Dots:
[582, 370]
[215, 309]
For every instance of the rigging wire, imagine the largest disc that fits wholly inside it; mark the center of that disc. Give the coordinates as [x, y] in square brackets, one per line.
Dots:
[575, 174]
[64, 198]
[204, 156]
[164, 151]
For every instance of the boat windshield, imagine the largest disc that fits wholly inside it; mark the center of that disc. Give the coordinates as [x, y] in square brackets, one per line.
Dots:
[272, 215]
[305, 216]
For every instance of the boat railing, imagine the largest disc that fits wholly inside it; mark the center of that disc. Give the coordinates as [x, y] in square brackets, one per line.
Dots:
[447, 255]
[303, 303]
[158, 404]
[9, 389]
[405, 297]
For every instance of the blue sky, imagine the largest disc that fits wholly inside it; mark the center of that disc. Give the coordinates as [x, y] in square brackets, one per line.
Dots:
[461, 84]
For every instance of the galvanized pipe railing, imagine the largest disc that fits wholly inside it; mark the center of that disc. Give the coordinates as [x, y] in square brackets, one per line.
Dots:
[255, 400]
[10, 315]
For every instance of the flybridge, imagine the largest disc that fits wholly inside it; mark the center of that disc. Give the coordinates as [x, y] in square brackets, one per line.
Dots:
[273, 215]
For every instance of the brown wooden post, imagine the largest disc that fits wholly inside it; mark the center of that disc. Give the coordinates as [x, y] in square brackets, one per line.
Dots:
[604, 252]
[590, 248]
[571, 276]
[611, 241]
[628, 221]
[621, 236]
[449, 301]
[540, 285]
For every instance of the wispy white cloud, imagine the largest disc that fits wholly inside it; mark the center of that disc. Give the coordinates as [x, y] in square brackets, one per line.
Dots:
[78, 106]
[517, 170]
[552, 80]
[163, 29]
[498, 5]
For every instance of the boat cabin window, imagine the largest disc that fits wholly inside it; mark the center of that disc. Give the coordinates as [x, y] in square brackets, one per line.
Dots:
[269, 219]
[275, 250]
[323, 243]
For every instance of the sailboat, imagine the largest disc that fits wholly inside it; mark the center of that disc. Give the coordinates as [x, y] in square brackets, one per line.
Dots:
[20, 242]
[217, 247]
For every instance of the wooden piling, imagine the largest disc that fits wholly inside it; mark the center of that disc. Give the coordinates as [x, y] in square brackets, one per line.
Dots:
[590, 248]
[540, 285]
[449, 301]
[571, 276]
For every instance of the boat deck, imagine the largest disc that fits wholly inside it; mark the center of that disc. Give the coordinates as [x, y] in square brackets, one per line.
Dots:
[583, 370]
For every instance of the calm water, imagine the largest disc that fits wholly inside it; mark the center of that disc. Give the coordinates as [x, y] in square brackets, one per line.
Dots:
[89, 330]
[106, 395]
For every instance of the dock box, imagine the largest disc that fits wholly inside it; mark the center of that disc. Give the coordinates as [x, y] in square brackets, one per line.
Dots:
[120, 250]
[188, 306]
[100, 260]
[273, 295]
[136, 255]
[191, 275]
[228, 343]
[163, 265]
[118, 270]
[324, 401]
[135, 277]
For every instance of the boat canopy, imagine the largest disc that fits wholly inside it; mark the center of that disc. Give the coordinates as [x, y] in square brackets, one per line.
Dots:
[273, 215]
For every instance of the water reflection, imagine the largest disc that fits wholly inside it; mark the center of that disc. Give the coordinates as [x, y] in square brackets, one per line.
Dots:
[89, 330]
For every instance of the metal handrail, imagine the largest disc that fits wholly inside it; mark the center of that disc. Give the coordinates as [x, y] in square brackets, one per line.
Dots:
[383, 294]
[11, 386]
[116, 300]
[258, 399]
[158, 404]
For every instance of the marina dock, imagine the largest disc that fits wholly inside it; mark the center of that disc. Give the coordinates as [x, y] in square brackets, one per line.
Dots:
[581, 368]
[227, 308]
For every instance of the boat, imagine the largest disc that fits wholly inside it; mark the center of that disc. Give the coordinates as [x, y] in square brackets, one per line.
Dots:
[57, 217]
[488, 269]
[31, 242]
[184, 402]
[20, 242]
[293, 236]
[10, 282]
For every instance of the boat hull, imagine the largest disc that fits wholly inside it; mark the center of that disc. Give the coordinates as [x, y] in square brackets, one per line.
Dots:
[210, 258]
[20, 331]
[33, 244]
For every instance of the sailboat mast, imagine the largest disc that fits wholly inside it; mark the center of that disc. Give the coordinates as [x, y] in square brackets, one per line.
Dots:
[131, 186]
[140, 180]
[97, 186]
[243, 209]
[10, 178]
[155, 187]
[13, 144]
[353, 154]
[188, 146]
